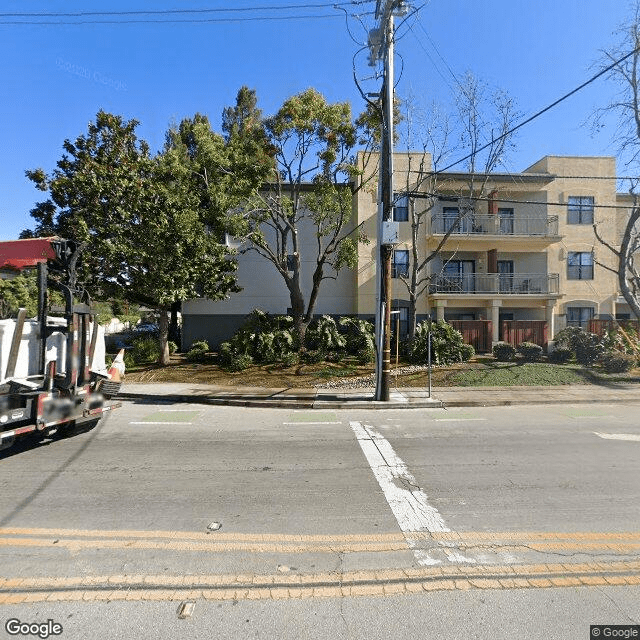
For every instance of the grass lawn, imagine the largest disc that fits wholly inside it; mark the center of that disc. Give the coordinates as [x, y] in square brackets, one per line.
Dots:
[503, 374]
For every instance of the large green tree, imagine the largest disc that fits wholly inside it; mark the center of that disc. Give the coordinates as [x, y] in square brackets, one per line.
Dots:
[148, 226]
[303, 213]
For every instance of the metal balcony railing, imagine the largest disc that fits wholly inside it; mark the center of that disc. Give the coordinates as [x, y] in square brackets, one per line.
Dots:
[497, 283]
[485, 224]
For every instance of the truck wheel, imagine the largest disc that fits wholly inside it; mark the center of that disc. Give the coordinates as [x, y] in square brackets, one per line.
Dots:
[76, 427]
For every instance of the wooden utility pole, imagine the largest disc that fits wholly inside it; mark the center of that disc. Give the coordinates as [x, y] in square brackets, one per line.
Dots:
[381, 46]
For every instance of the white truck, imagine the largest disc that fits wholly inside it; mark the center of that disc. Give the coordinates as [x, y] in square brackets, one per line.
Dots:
[52, 368]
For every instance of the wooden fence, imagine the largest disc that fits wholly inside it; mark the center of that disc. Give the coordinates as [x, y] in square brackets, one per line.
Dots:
[477, 333]
[516, 332]
[600, 327]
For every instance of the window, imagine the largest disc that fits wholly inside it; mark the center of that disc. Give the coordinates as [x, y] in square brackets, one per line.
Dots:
[291, 262]
[580, 265]
[400, 208]
[580, 210]
[400, 263]
[579, 316]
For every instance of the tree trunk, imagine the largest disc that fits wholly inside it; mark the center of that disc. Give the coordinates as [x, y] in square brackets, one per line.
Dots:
[622, 263]
[412, 316]
[164, 337]
[174, 332]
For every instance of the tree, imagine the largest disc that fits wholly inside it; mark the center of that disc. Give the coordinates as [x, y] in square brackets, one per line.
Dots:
[625, 73]
[20, 291]
[141, 226]
[481, 121]
[310, 189]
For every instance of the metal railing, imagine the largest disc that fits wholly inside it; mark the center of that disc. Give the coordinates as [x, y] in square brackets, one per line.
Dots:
[485, 224]
[498, 283]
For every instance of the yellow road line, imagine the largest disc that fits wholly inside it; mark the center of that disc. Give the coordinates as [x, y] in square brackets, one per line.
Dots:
[197, 535]
[279, 586]
[77, 544]
[258, 547]
[453, 536]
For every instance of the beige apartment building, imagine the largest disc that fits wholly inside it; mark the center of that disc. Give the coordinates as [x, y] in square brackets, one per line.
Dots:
[521, 247]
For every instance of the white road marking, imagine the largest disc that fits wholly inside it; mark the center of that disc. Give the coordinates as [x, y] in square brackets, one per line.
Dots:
[305, 422]
[458, 419]
[407, 500]
[632, 437]
[147, 422]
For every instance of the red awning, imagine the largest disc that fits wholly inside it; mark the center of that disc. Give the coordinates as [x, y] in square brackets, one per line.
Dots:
[21, 254]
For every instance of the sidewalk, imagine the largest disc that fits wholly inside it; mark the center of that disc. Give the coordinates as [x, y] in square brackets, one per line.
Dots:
[363, 398]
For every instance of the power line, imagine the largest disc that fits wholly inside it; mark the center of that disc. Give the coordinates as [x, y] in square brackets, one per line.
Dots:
[168, 21]
[422, 195]
[542, 111]
[78, 14]
[516, 176]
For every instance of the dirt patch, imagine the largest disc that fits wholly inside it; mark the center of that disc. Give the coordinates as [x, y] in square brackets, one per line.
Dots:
[297, 376]
[271, 375]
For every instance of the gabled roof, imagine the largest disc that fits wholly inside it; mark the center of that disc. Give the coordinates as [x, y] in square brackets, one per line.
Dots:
[22, 254]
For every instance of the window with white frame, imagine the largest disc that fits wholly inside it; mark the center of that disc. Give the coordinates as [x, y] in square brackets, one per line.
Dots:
[580, 209]
[580, 265]
[400, 263]
[400, 207]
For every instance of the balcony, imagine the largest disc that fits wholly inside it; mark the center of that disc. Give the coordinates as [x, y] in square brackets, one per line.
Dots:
[494, 225]
[517, 284]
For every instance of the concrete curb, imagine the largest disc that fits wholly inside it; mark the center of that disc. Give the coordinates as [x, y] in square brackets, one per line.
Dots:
[404, 398]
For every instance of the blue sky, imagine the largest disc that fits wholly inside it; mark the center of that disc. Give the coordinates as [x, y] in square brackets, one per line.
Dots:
[56, 77]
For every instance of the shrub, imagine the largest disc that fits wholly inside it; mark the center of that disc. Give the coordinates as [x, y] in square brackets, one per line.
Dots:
[617, 362]
[366, 355]
[561, 355]
[290, 359]
[566, 338]
[447, 344]
[467, 352]
[587, 347]
[323, 334]
[359, 334]
[129, 362]
[173, 347]
[530, 352]
[504, 352]
[336, 356]
[264, 337]
[312, 356]
[198, 351]
[240, 362]
[225, 354]
[145, 350]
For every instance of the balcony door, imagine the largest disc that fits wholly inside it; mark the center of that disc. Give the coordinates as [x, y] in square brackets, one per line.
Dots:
[505, 278]
[458, 274]
[506, 221]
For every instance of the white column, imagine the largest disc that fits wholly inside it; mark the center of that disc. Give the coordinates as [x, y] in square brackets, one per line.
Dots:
[440, 305]
[551, 328]
[495, 321]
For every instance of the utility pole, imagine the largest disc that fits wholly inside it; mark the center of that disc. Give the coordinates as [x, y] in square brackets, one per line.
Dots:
[381, 48]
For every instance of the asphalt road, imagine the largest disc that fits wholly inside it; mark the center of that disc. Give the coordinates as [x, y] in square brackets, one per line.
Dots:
[461, 523]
